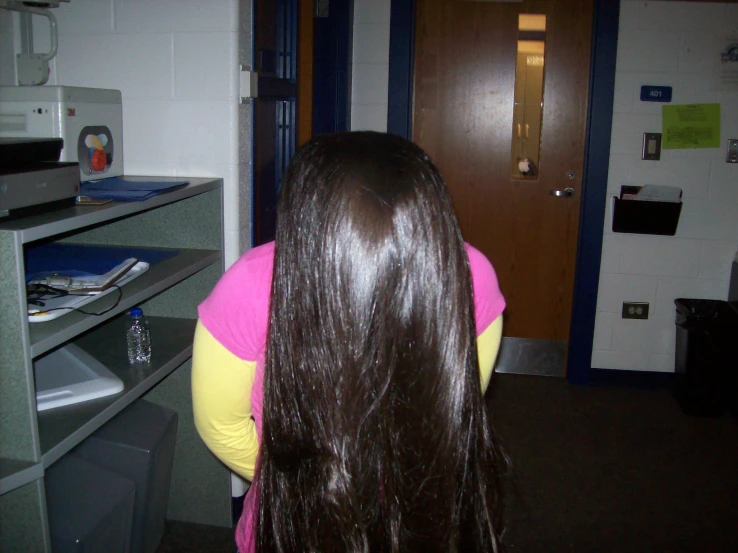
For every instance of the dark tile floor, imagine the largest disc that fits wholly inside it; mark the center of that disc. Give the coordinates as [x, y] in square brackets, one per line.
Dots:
[184, 537]
[594, 469]
[614, 469]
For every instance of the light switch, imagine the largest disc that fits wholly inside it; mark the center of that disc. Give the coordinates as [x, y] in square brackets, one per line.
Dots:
[651, 146]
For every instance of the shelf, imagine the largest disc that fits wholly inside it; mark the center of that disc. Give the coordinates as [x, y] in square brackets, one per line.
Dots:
[187, 222]
[14, 473]
[61, 221]
[61, 429]
[159, 277]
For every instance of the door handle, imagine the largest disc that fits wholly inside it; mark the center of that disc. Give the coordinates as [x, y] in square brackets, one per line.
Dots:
[565, 193]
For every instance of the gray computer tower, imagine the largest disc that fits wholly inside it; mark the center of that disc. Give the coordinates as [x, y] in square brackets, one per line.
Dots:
[90, 509]
[139, 444]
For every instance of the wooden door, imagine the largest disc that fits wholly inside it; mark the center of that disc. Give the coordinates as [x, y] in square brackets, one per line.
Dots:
[464, 81]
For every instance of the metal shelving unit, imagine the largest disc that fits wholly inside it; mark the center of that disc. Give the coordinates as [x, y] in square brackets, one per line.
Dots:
[63, 428]
[188, 220]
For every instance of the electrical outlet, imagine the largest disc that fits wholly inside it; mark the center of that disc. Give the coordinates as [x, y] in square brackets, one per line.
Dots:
[635, 310]
[732, 156]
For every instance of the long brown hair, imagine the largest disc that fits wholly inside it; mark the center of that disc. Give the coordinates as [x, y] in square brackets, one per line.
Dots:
[375, 437]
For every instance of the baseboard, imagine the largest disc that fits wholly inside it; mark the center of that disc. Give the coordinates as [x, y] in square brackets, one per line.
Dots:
[632, 379]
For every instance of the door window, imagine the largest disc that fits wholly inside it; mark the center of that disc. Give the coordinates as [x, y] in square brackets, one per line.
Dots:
[528, 107]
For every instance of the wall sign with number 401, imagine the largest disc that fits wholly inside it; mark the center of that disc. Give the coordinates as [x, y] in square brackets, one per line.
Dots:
[655, 93]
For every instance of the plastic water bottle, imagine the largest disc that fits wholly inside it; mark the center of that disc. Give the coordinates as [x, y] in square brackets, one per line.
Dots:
[138, 337]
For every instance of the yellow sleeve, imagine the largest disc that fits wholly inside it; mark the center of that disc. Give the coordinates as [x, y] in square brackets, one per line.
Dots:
[221, 400]
[488, 344]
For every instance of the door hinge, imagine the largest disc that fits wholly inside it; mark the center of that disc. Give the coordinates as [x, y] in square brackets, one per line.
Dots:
[322, 8]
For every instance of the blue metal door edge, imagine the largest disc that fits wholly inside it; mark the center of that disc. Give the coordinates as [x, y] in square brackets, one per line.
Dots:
[401, 68]
[594, 190]
[597, 154]
[332, 68]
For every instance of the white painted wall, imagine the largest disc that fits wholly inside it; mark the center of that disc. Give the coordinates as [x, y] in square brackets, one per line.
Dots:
[370, 70]
[176, 65]
[671, 44]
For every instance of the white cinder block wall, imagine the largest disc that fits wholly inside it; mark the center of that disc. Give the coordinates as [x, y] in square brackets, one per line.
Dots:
[660, 43]
[670, 44]
[370, 69]
[176, 65]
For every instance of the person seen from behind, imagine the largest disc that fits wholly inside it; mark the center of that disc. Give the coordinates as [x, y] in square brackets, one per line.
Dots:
[341, 368]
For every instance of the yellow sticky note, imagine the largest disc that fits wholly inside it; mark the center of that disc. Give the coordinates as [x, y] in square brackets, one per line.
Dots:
[690, 126]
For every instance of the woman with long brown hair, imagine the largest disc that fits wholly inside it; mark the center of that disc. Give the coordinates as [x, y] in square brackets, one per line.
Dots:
[357, 333]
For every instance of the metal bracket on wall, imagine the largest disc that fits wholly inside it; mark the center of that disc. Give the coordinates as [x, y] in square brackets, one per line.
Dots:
[249, 84]
[32, 69]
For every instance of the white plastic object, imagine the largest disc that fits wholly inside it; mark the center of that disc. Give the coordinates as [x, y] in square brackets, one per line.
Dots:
[249, 84]
[71, 375]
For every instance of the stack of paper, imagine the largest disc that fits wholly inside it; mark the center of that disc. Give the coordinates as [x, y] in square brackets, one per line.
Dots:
[655, 193]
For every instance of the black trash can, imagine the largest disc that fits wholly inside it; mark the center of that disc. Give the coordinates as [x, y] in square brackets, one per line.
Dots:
[706, 353]
[732, 355]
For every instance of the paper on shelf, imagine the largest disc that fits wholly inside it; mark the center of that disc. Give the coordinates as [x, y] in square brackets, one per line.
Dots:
[61, 305]
[91, 283]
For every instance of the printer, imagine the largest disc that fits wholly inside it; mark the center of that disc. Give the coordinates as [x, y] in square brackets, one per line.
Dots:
[88, 120]
[31, 177]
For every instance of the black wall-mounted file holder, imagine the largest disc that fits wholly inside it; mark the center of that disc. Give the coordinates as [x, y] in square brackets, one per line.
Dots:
[645, 217]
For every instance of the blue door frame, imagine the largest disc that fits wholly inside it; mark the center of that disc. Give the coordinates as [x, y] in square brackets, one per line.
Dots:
[332, 68]
[597, 155]
[275, 130]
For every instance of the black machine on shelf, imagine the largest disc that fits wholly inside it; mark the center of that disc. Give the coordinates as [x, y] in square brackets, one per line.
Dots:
[32, 178]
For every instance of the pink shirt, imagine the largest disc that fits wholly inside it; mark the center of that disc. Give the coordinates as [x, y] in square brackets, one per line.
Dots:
[237, 313]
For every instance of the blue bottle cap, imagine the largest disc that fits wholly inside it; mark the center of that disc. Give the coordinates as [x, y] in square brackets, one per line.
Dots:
[136, 312]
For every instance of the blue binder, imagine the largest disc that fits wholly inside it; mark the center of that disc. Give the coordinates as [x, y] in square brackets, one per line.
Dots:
[122, 189]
